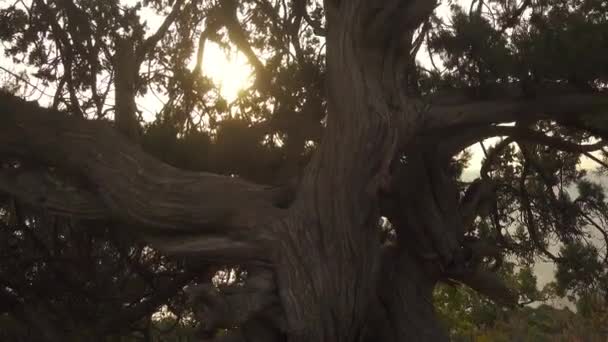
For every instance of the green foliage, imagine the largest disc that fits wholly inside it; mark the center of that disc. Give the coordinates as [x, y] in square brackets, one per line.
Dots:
[466, 312]
[482, 322]
[475, 48]
[581, 271]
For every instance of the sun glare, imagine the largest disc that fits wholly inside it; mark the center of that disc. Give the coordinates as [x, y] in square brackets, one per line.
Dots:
[228, 70]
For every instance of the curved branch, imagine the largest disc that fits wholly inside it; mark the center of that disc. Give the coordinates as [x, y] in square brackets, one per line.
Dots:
[492, 155]
[427, 209]
[532, 136]
[210, 30]
[240, 38]
[529, 215]
[128, 185]
[562, 107]
[151, 41]
[469, 136]
[489, 285]
[44, 190]
[477, 201]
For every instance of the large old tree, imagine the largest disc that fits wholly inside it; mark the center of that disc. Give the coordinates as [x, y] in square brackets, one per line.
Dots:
[331, 183]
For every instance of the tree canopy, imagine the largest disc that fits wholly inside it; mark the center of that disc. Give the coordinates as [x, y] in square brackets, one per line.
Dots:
[329, 198]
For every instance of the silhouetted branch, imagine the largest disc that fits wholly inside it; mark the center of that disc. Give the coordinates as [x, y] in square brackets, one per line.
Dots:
[123, 183]
[151, 41]
[488, 284]
[495, 112]
[529, 215]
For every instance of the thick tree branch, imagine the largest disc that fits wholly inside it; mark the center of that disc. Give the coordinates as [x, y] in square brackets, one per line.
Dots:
[45, 190]
[490, 112]
[239, 37]
[488, 284]
[130, 54]
[425, 213]
[151, 41]
[210, 30]
[473, 134]
[478, 201]
[405, 291]
[337, 198]
[126, 68]
[133, 187]
[531, 136]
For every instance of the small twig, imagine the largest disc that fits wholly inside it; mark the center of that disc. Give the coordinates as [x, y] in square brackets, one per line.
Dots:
[596, 159]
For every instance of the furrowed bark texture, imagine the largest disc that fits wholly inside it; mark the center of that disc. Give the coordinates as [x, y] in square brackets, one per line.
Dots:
[323, 273]
[334, 280]
[106, 177]
[330, 263]
[406, 296]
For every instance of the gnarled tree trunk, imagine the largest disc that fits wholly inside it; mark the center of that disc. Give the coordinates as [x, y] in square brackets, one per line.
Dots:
[318, 268]
[336, 281]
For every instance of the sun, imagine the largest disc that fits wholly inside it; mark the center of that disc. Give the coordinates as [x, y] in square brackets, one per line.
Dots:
[229, 70]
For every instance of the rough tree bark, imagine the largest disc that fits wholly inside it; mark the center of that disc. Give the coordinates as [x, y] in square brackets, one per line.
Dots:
[318, 268]
[331, 270]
